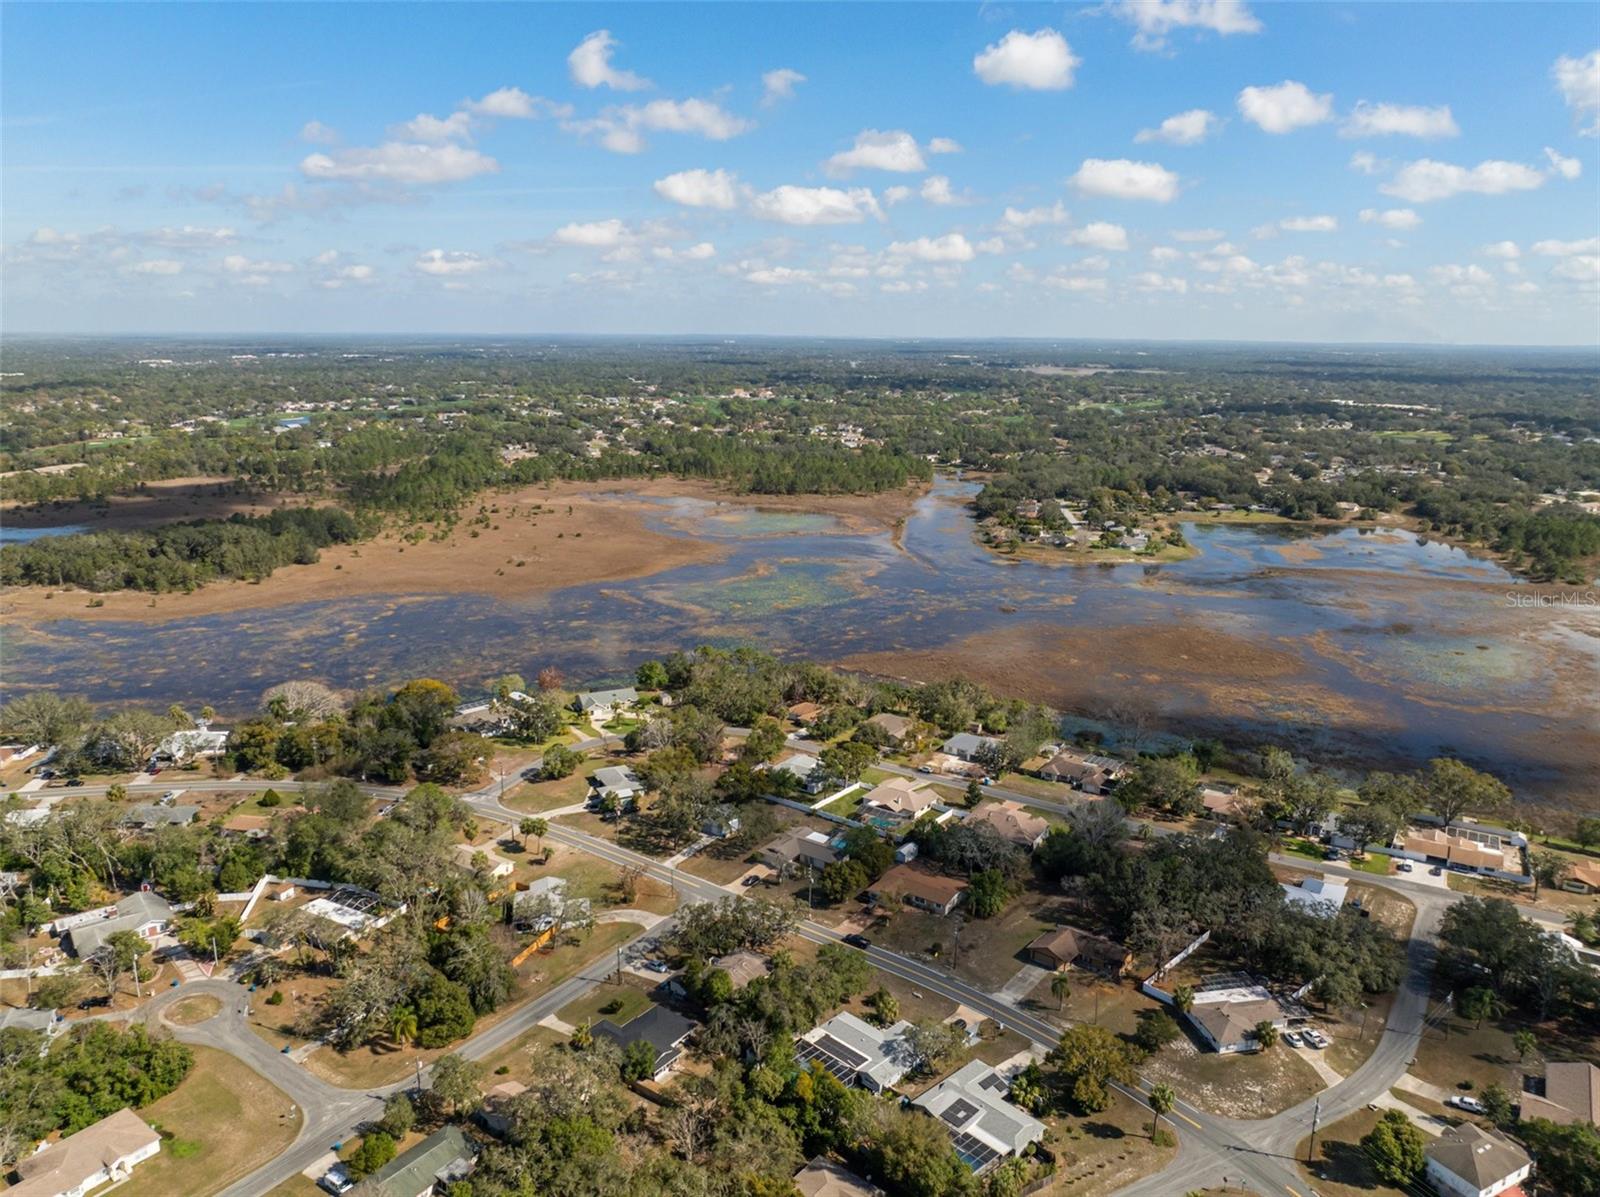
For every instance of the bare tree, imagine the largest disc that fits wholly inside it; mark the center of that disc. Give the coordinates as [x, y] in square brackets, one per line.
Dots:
[304, 699]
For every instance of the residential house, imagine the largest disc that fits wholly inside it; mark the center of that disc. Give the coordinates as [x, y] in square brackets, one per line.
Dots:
[441, 1159]
[1566, 1093]
[804, 714]
[1087, 772]
[496, 1112]
[249, 827]
[1583, 878]
[1463, 848]
[919, 887]
[154, 815]
[604, 704]
[146, 914]
[16, 752]
[495, 867]
[1229, 1027]
[720, 822]
[25, 1018]
[619, 782]
[1221, 802]
[801, 846]
[1013, 822]
[743, 967]
[104, 1152]
[544, 904]
[984, 1126]
[1319, 895]
[965, 745]
[824, 1178]
[663, 1029]
[1068, 947]
[805, 769]
[898, 798]
[1469, 1161]
[897, 726]
[198, 741]
[858, 1053]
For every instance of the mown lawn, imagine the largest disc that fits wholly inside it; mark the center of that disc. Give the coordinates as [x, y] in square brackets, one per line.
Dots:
[226, 1121]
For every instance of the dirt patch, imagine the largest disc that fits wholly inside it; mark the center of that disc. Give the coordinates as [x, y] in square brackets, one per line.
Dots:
[192, 1010]
[1239, 1085]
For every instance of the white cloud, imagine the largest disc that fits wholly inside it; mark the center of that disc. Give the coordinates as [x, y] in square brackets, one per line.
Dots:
[893, 149]
[1405, 120]
[1310, 224]
[1584, 268]
[903, 287]
[425, 127]
[1567, 168]
[1039, 61]
[1150, 280]
[1154, 19]
[1074, 282]
[358, 273]
[239, 264]
[790, 204]
[896, 195]
[592, 234]
[1564, 249]
[444, 264]
[622, 129]
[1165, 253]
[1186, 128]
[1426, 180]
[952, 247]
[187, 237]
[1100, 234]
[1121, 179]
[512, 103]
[1365, 162]
[1579, 82]
[161, 266]
[1391, 218]
[944, 145]
[777, 275]
[1285, 107]
[693, 253]
[590, 65]
[1502, 249]
[318, 133]
[1017, 220]
[1462, 278]
[1198, 235]
[779, 85]
[700, 189]
[936, 190]
[400, 162]
[1525, 288]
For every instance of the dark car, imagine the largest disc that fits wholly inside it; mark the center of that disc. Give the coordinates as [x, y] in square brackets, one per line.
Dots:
[74, 781]
[94, 1003]
[858, 941]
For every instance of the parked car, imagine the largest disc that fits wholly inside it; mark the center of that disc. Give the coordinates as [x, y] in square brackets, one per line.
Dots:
[1436, 871]
[658, 966]
[858, 941]
[753, 879]
[1332, 854]
[1470, 1104]
[336, 1180]
[924, 768]
[1403, 866]
[1292, 1038]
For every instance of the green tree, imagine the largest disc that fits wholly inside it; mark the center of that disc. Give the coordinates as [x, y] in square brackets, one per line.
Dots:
[765, 741]
[1396, 1149]
[1162, 1099]
[1497, 1104]
[1548, 869]
[1526, 1044]
[1265, 1033]
[536, 827]
[399, 1116]
[456, 1084]
[885, 1007]
[1569, 1156]
[1451, 789]
[1060, 987]
[912, 1155]
[988, 893]
[1183, 998]
[1587, 831]
[403, 1025]
[638, 1061]
[376, 1150]
[560, 761]
[1089, 1060]
[652, 675]
[1480, 1002]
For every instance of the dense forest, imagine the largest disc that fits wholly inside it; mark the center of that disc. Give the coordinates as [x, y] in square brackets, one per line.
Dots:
[1495, 449]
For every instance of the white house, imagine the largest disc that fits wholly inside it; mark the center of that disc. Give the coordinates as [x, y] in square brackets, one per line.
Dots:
[617, 781]
[965, 745]
[1319, 895]
[856, 1052]
[146, 914]
[495, 868]
[1469, 1161]
[106, 1151]
[805, 769]
[985, 1127]
[199, 741]
[603, 704]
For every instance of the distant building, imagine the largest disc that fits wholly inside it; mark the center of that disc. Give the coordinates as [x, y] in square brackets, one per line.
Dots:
[1566, 1093]
[603, 704]
[743, 967]
[154, 815]
[1319, 895]
[919, 887]
[1468, 1161]
[495, 1113]
[1087, 772]
[801, 846]
[495, 865]
[984, 1126]
[663, 1029]
[966, 745]
[804, 768]
[106, 1152]
[824, 1178]
[858, 1053]
[146, 914]
[250, 827]
[804, 714]
[200, 741]
[898, 727]
[899, 798]
[1230, 1027]
[1583, 878]
[1472, 849]
[617, 781]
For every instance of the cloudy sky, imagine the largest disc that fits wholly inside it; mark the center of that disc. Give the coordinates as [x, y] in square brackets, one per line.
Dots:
[1161, 169]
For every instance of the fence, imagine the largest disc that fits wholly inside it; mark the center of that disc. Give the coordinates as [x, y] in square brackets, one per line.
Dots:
[1149, 987]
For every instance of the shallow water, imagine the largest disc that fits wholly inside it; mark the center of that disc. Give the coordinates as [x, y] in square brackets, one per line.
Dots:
[1413, 639]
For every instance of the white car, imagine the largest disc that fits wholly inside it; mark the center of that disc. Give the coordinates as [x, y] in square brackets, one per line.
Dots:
[1292, 1038]
[336, 1180]
[1470, 1104]
[1315, 1039]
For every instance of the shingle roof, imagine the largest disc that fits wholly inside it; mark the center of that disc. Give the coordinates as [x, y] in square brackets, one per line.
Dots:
[64, 1166]
[824, 1178]
[1011, 821]
[446, 1154]
[1479, 1157]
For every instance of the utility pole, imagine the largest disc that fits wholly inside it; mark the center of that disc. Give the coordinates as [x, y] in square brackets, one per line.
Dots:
[1316, 1119]
[619, 964]
[418, 1063]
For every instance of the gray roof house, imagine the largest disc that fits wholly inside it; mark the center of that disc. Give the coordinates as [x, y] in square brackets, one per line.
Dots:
[605, 702]
[443, 1158]
[663, 1029]
[966, 745]
[1468, 1161]
[146, 914]
[153, 815]
[856, 1052]
[983, 1124]
[617, 780]
[805, 768]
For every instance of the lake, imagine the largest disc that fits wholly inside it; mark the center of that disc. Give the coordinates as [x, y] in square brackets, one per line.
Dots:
[1360, 644]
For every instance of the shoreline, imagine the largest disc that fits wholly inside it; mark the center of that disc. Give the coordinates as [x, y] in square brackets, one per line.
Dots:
[541, 538]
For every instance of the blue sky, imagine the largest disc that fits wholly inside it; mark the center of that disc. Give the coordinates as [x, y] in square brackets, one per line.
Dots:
[1171, 169]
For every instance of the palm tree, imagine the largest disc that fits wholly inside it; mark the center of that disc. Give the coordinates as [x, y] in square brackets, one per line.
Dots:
[534, 827]
[1162, 1099]
[582, 1036]
[1060, 986]
[1183, 998]
[403, 1025]
[1526, 1043]
[1266, 1034]
[1481, 1002]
